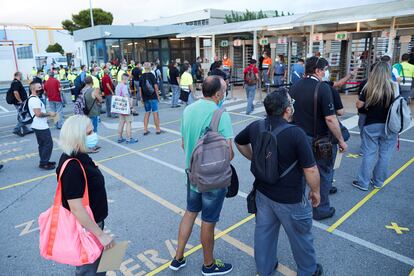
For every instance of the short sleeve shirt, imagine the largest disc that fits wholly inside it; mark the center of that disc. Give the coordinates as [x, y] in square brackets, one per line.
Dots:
[292, 146]
[38, 123]
[186, 80]
[303, 93]
[143, 84]
[376, 114]
[122, 90]
[17, 85]
[106, 79]
[51, 87]
[174, 74]
[196, 118]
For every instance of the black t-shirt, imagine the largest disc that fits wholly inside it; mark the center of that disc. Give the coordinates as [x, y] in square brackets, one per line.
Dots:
[303, 93]
[136, 73]
[218, 72]
[335, 96]
[174, 74]
[292, 145]
[376, 114]
[17, 85]
[73, 184]
[39, 80]
[143, 84]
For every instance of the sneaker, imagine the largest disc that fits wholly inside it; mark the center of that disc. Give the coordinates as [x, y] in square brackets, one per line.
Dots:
[121, 140]
[51, 163]
[47, 167]
[333, 190]
[319, 270]
[177, 264]
[1, 166]
[374, 186]
[132, 141]
[356, 184]
[217, 268]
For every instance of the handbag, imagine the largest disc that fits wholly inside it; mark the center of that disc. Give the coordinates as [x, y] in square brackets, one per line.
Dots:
[321, 145]
[62, 238]
[184, 95]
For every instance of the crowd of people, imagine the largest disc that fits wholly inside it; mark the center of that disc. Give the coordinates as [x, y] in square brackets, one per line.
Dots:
[293, 146]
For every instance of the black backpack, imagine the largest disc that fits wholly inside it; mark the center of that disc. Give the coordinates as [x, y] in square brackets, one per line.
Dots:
[265, 163]
[147, 86]
[23, 113]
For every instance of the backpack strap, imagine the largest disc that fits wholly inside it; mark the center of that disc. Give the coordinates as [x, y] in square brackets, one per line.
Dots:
[275, 132]
[216, 119]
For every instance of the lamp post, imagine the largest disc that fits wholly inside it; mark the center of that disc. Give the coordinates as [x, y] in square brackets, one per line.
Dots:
[90, 11]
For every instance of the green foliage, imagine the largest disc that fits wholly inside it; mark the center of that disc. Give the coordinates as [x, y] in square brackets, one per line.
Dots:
[249, 15]
[55, 48]
[83, 20]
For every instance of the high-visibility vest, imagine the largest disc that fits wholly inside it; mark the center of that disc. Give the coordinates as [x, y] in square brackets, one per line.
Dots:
[33, 73]
[119, 76]
[227, 64]
[113, 72]
[62, 74]
[267, 63]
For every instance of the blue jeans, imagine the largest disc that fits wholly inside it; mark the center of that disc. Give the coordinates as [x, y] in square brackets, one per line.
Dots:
[162, 89]
[175, 94]
[361, 124]
[277, 80]
[209, 203]
[94, 120]
[296, 220]
[377, 149]
[325, 167]
[250, 94]
[58, 108]
[19, 125]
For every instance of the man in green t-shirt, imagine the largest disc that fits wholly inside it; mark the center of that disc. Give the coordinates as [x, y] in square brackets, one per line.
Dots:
[196, 118]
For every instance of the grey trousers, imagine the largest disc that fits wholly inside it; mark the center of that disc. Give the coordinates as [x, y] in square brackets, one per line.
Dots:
[45, 142]
[108, 99]
[296, 219]
[90, 269]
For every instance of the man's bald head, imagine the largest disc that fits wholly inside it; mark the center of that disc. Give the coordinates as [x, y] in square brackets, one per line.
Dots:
[212, 85]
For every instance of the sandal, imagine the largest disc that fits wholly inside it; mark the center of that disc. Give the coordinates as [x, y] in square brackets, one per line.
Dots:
[147, 132]
[159, 132]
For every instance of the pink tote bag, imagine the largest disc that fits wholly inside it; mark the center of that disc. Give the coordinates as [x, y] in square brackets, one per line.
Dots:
[62, 238]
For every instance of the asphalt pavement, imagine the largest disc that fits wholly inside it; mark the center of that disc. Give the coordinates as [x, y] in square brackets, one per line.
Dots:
[146, 190]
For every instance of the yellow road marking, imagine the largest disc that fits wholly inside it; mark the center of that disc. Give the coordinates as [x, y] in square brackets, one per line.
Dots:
[411, 273]
[367, 197]
[399, 230]
[27, 181]
[352, 155]
[219, 234]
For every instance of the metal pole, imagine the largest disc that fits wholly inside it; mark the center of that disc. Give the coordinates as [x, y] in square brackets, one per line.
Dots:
[289, 59]
[312, 30]
[197, 40]
[213, 47]
[390, 48]
[90, 11]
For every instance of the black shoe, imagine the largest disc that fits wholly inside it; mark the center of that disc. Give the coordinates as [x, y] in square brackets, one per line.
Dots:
[328, 214]
[52, 163]
[47, 167]
[18, 132]
[319, 270]
[177, 264]
[1, 166]
[333, 190]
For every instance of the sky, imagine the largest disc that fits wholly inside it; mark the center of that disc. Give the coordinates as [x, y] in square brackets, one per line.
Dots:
[52, 13]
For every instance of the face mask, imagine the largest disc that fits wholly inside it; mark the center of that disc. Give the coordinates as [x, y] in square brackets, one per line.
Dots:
[277, 59]
[221, 102]
[326, 77]
[92, 140]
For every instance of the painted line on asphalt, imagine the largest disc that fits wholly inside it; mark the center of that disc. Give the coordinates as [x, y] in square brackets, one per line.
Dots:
[411, 273]
[351, 122]
[218, 233]
[4, 109]
[366, 244]
[409, 127]
[368, 197]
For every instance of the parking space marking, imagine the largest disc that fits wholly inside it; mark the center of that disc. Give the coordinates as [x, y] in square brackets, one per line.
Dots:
[398, 229]
[219, 234]
[14, 142]
[411, 273]
[367, 244]
[368, 197]
[4, 109]
[351, 122]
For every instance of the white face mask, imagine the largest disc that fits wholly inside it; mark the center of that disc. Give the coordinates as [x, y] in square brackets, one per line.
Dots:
[326, 77]
[277, 59]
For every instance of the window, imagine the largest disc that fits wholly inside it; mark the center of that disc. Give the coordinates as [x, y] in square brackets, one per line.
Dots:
[113, 51]
[25, 52]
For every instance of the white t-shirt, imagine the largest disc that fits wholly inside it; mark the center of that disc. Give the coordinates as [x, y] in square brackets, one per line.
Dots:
[38, 123]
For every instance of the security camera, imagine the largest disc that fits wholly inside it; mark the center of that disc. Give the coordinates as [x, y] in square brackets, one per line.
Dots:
[106, 34]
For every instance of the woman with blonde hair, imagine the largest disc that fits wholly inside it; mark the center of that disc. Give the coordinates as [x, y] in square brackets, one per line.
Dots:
[377, 147]
[76, 136]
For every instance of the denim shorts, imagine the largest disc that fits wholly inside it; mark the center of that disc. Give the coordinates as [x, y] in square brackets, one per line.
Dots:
[151, 105]
[209, 203]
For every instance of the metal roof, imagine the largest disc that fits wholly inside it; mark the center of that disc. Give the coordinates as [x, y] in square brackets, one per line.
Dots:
[349, 14]
[122, 31]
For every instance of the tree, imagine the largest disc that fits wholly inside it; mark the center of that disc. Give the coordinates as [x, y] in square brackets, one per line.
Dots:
[249, 15]
[55, 48]
[83, 20]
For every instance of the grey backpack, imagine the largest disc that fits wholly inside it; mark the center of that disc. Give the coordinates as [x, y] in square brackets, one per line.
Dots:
[399, 116]
[210, 161]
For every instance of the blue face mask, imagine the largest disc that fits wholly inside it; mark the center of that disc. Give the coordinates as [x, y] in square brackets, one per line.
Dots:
[92, 140]
[221, 102]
